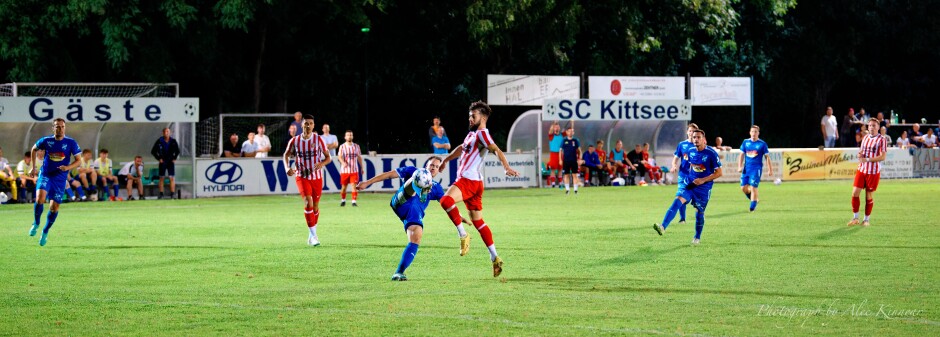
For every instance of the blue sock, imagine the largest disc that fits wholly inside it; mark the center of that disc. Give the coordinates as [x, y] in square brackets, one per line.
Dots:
[68, 192]
[699, 224]
[671, 212]
[37, 212]
[407, 256]
[49, 221]
[753, 205]
[80, 191]
[682, 213]
[115, 190]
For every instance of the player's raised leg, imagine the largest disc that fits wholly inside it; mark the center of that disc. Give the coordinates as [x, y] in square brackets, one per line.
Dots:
[677, 205]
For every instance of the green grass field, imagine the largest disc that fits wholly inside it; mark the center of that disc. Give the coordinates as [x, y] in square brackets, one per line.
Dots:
[576, 265]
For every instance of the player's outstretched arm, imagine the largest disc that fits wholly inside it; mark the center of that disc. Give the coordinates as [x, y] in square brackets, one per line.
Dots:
[384, 176]
[453, 155]
[502, 159]
[287, 154]
[741, 162]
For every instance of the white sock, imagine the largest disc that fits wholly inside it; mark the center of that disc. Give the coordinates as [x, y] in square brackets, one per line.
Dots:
[460, 231]
[354, 201]
[866, 217]
[855, 216]
[313, 231]
[575, 187]
[342, 200]
[566, 187]
[492, 249]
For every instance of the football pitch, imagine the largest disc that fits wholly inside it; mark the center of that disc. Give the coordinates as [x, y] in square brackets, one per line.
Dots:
[574, 265]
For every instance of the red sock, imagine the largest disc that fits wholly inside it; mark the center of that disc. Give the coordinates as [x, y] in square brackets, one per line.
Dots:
[869, 204]
[447, 203]
[855, 204]
[308, 215]
[484, 230]
[315, 217]
[551, 180]
[355, 194]
[342, 195]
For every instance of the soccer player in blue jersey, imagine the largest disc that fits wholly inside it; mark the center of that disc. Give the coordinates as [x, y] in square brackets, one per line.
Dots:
[755, 150]
[53, 175]
[680, 164]
[704, 167]
[409, 204]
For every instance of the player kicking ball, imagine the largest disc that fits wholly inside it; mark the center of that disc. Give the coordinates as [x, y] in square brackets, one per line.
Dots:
[871, 153]
[751, 168]
[409, 203]
[704, 168]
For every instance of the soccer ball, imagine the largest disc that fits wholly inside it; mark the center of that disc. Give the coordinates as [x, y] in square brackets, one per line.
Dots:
[93, 197]
[3, 198]
[422, 178]
[777, 181]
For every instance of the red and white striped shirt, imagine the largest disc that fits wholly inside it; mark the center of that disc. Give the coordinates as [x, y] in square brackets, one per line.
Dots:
[350, 153]
[470, 164]
[872, 146]
[308, 152]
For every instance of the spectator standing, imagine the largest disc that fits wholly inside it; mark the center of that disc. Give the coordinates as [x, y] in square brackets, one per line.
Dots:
[106, 176]
[7, 177]
[433, 132]
[847, 129]
[332, 142]
[130, 175]
[249, 148]
[232, 149]
[166, 150]
[829, 125]
[440, 142]
[297, 124]
[917, 138]
[26, 181]
[263, 143]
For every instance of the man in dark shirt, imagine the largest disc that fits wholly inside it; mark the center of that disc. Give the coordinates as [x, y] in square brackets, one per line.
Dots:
[166, 150]
[232, 148]
[570, 155]
[593, 166]
[635, 158]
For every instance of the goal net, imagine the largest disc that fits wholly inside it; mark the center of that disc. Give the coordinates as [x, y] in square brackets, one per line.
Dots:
[214, 133]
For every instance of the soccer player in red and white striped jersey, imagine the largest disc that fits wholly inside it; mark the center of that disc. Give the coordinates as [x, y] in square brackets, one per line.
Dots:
[350, 159]
[871, 153]
[310, 156]
[469, 185]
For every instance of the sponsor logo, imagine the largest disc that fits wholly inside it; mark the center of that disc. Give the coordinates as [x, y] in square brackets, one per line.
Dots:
[224, 173]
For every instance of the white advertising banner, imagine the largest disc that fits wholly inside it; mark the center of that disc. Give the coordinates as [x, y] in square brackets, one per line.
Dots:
[636, 87]
[721, 91]
[530, 90]
[616, 110]
[99, 109]
[267, 176]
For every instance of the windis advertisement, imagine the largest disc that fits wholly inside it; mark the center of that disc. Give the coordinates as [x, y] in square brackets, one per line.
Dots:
[251, 176]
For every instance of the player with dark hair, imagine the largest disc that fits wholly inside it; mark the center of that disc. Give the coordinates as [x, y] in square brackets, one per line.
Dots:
[469, 185]
[307, 150]
[166, 150]
[871, 152]
[680, 164]
[751, 168]
[704, 167]
[350, 159]
[53, 174]
[409, 203]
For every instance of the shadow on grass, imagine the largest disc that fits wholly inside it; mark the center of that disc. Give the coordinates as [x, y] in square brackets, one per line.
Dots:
[589, 284]
[644, 254]
[839, 232]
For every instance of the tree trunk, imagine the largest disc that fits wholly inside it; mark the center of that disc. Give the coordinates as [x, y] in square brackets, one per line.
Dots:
[260, 60]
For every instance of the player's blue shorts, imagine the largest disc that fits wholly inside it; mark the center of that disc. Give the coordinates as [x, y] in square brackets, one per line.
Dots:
[410, 213]
[681, 183]
[54, 187]
[751, 177]
[698, 196]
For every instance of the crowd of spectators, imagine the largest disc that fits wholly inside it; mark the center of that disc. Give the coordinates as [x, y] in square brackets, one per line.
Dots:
[853, 129]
